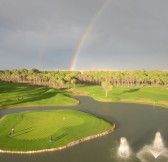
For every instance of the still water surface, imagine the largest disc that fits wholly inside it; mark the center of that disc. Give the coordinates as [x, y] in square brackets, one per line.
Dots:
[138, 123]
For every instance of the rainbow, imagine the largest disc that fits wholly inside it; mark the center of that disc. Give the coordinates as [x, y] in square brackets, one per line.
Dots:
[85, 34]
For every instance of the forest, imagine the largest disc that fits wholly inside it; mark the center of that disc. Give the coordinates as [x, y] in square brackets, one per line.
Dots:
[66, 79]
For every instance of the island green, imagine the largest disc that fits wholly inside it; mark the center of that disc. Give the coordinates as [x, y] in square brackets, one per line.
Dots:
[33, 129]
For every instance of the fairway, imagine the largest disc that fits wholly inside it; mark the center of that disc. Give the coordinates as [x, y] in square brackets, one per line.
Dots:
[157, 96]
[22, 95]
[32, 130]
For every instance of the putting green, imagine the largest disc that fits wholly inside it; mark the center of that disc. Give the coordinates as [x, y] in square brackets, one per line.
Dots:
[32, 130]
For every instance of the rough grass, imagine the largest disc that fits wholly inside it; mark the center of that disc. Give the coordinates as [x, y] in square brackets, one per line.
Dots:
[146, 95]
[20, 95]
[32, 130]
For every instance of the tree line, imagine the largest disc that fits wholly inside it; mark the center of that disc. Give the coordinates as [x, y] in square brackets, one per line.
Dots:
[54, 79]
[130, 78]
[65, 79]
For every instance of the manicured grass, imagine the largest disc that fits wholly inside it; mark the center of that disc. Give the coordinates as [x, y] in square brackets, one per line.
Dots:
[32, 130]
[147, 95]
[21, 95]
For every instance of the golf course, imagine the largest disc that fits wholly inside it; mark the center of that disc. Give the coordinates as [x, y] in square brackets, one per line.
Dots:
[83, 81]
[157, 96]
[57, 129]
[22, 95]
[33, 130]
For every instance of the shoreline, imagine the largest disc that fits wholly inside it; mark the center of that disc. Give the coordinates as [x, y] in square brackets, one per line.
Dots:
[71, 144]
[160, 104]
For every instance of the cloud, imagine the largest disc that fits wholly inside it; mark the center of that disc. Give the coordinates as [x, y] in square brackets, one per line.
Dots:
[45, 33]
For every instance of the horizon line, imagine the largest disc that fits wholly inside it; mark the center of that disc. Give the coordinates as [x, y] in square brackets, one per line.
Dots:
[86, 69]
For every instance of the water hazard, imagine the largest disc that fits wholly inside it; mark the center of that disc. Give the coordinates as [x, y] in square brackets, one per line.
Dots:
[141, 135]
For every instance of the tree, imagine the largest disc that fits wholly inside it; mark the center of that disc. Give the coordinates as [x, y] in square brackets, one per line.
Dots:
[107, 86]
[68, 79]
[73, 81]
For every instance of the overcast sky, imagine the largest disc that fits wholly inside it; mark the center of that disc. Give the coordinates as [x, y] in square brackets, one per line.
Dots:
[44, 34]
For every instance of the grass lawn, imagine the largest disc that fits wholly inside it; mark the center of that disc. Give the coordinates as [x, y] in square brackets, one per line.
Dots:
[21, 95]
[146, 95]
[32, 129]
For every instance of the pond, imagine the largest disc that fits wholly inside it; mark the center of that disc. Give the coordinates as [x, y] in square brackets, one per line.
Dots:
[137, 123]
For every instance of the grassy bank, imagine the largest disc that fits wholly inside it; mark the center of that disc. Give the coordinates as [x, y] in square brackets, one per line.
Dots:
[146, 95]
[32, 130]
[21, 95]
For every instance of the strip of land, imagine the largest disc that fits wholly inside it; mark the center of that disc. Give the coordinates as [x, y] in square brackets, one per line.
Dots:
[156, 96]
[22, 95]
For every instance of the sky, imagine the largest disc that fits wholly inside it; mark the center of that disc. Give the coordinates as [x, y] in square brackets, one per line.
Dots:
[84, 34]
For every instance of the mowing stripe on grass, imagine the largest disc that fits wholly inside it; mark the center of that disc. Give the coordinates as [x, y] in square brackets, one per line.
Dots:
[32, 130]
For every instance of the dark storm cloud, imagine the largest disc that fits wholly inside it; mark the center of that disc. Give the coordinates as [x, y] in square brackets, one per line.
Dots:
[128, 34]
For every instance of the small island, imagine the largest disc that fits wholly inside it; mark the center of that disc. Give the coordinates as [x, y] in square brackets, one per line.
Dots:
[50, 130]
